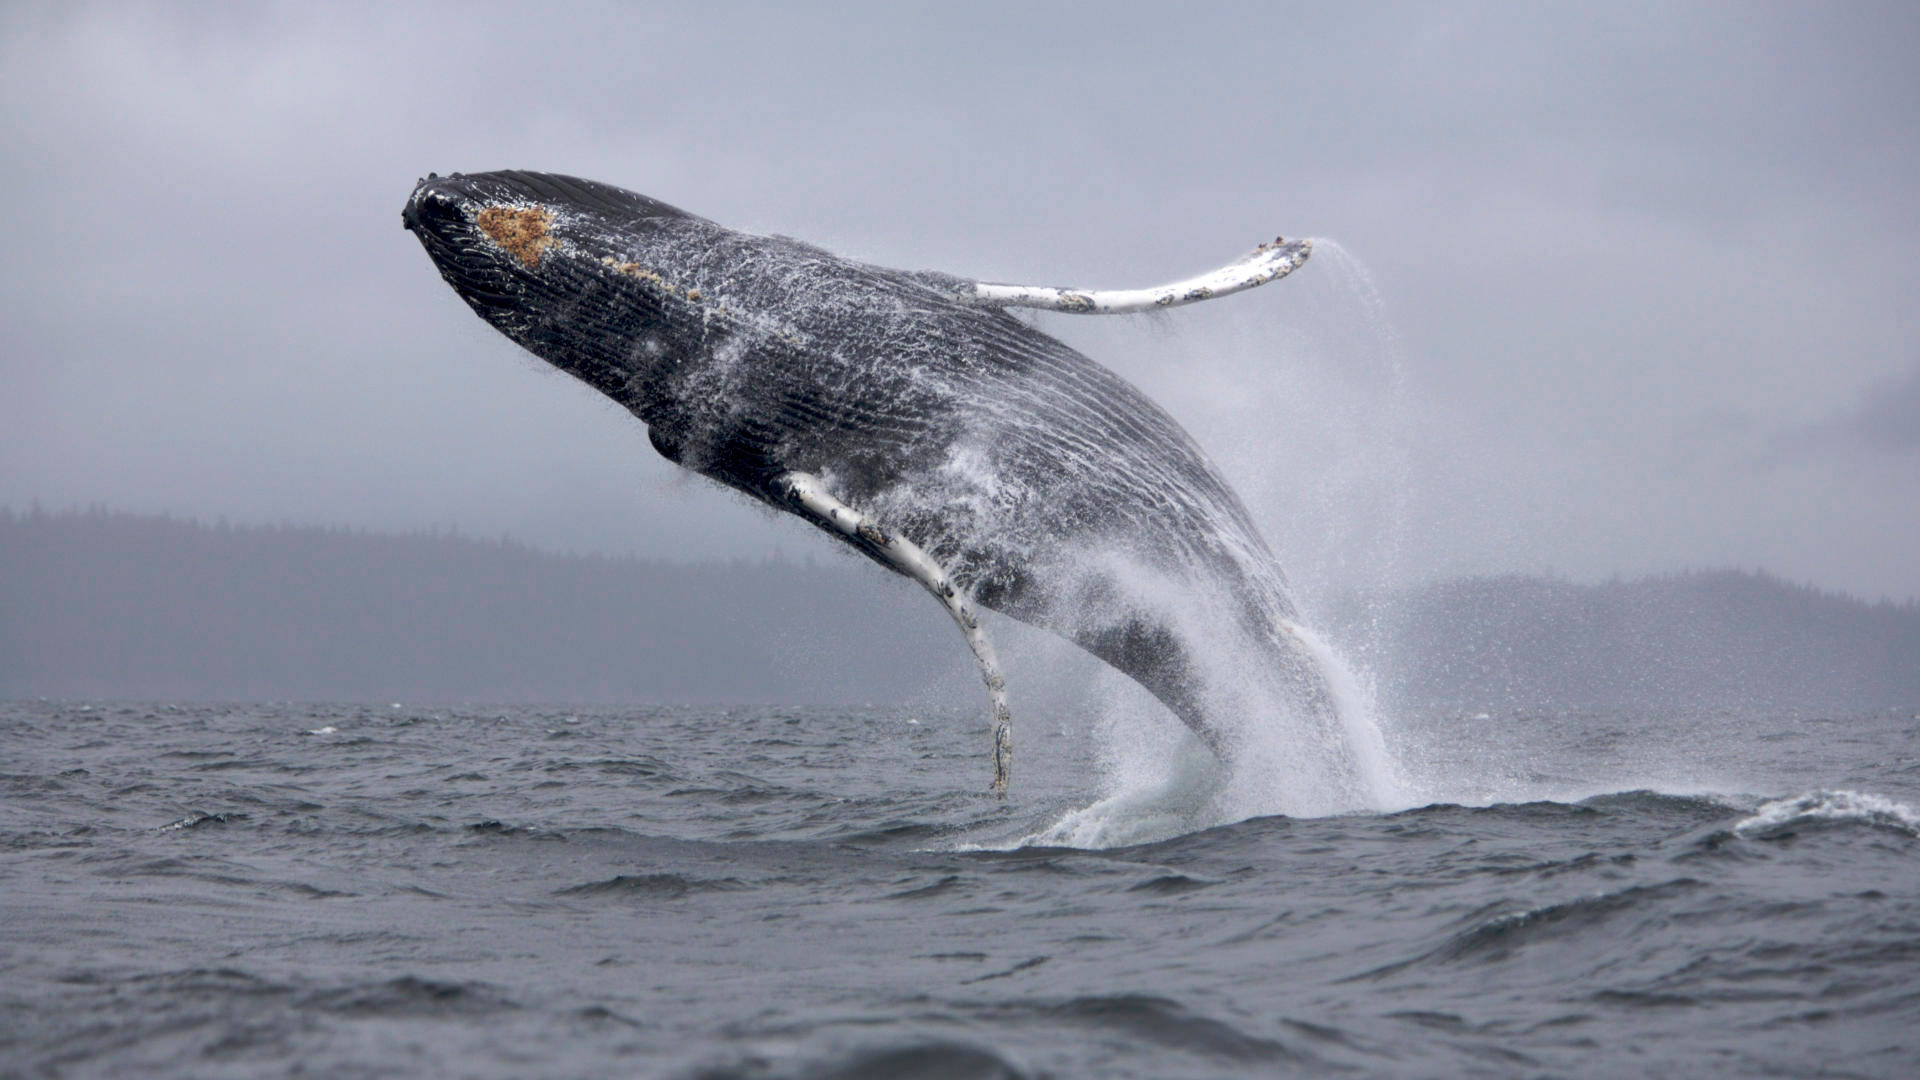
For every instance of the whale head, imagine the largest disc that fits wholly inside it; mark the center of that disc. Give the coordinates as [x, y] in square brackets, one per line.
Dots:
[553, 262]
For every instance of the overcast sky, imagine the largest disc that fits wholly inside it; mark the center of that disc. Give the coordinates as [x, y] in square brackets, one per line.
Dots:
[1614, 289]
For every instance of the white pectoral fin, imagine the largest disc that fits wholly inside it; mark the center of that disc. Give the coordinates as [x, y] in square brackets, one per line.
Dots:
[810, 497]
[1268, 262]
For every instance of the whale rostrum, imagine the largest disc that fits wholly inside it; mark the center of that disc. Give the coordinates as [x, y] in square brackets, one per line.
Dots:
[904, 413]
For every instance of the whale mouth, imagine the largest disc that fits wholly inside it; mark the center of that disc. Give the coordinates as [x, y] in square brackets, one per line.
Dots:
[476, 240]
[442, 205]
[430, 208]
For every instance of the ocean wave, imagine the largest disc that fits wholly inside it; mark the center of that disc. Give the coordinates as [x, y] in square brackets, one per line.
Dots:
[200, 818]
[1171, 884]
[1830, 807]
[411, 996]
[1128, 821]
[661, 886]
[947, 884]
[1494, 933]
[1646, 800]
[1161, 1021]
[939, 1058]
[1498, 937]
[639, 765]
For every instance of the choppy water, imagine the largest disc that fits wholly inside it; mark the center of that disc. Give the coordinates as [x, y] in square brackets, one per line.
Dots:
[213, 890]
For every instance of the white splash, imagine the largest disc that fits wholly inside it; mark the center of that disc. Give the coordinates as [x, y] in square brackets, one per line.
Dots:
[1309, 423]
[1839, 805]
[1383, 787]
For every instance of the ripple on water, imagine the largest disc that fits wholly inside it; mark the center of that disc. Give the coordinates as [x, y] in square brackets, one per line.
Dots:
[652, 886]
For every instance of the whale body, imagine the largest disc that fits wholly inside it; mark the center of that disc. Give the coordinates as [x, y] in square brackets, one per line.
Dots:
[917, 413]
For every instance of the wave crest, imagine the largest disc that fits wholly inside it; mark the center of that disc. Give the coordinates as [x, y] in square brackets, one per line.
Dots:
[1835, 807]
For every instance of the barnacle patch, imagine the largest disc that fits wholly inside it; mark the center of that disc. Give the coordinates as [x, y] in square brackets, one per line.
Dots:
[631, 269]
[635, 270]
[522, 230]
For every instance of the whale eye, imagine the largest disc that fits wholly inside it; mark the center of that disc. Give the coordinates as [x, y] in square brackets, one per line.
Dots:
[524, 231]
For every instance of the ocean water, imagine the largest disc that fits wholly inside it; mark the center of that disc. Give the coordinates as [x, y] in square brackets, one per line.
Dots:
[400, 891]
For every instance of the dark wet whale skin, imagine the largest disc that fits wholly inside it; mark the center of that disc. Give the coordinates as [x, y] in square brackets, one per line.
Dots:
[1026, 469]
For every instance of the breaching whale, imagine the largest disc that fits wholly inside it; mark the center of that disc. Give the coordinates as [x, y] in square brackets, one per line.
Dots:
[906, 413]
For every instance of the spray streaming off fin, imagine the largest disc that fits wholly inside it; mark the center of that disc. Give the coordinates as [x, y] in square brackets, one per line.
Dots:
[1308, 423]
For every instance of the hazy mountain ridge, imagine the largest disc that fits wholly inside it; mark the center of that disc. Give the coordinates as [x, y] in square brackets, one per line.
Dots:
[112, 605]
[103, 604]
[1700, 639]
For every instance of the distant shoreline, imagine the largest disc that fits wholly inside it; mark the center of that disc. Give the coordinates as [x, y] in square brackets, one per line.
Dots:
[102, 605]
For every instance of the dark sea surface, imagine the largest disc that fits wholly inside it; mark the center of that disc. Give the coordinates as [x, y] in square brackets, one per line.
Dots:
[401, 891]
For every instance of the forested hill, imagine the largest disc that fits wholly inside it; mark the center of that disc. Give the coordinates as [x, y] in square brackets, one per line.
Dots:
[99, 604]
[106, 605]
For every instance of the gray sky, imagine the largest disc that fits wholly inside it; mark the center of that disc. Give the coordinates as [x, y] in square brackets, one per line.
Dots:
[1616, 289]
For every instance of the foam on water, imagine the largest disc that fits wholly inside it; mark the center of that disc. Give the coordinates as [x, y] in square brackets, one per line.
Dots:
[1831, 806]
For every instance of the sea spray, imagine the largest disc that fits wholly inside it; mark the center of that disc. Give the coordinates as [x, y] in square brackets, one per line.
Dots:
[1354, 701]
[1308, 420]
[1158, 780]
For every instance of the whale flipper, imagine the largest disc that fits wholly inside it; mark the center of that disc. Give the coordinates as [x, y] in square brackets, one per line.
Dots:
[1268, 262]
[810, 498]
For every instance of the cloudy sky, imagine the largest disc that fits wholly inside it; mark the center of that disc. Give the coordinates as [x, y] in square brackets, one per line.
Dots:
[1612, 288]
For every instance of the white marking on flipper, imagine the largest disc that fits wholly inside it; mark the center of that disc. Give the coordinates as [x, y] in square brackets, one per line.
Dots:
[1268, 262]
[808, 494]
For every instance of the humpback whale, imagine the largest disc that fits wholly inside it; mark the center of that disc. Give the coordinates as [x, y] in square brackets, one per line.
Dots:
[908, 414]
